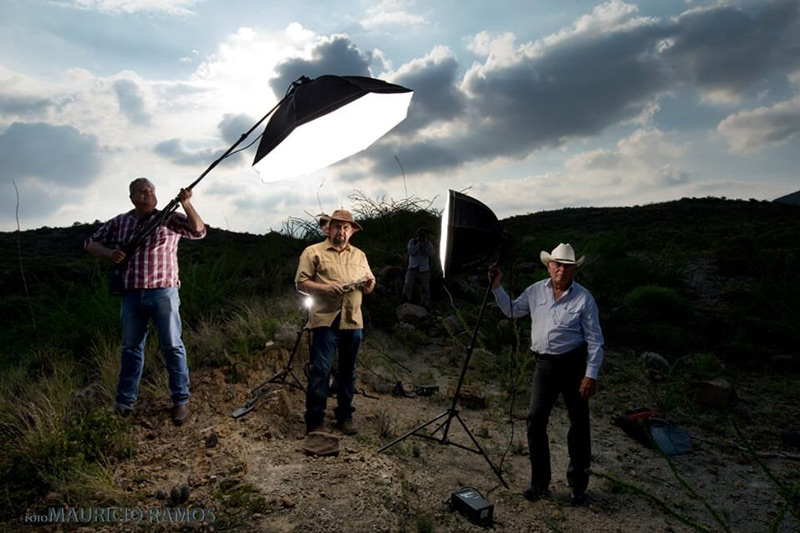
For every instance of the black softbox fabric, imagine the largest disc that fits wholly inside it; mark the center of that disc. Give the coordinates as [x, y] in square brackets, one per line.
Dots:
[310, 99]
[473, 232]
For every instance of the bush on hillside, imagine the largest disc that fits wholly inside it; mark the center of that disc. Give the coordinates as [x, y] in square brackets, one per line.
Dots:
[650, 303]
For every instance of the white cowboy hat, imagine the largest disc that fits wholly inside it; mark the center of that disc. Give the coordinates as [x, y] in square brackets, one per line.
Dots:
[563, 253]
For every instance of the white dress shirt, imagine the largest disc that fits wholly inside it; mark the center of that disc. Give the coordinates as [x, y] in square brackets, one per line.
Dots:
[558, 326]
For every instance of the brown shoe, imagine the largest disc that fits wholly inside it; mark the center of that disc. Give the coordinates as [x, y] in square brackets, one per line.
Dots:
[348, 427]
[315, 427]
[124, 412]
[179, 414]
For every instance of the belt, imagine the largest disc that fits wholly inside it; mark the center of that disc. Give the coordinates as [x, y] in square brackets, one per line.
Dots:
[580, 350]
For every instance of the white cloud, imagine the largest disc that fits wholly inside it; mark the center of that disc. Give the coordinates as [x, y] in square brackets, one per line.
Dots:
[611, 17]
[499, 50]
[116, 7]
[652, 145]
[752, 131]
[646, 158]
[391, 13]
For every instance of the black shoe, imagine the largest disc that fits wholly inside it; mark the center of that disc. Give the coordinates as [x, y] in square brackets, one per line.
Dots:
[533, 494]
[577, 498]
[124, 412]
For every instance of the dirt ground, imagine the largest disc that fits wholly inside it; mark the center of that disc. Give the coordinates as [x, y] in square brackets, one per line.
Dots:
[253, 472]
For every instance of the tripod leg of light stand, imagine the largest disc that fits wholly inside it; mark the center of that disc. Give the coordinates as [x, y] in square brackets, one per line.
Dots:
[415, 432]
[480, 451]
[280, 377]
[453, 411]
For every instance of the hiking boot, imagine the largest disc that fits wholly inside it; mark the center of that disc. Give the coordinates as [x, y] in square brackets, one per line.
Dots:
[534, 494]
[576, 497]
[180, 413]
[310, 428]
[124, 412]
[348, 427]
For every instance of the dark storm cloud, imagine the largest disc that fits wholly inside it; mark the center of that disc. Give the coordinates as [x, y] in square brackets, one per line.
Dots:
[581, 82]
[22, 105]
[338, 56]
[428, 156]
[577, 88]
[130, 101]
[728, 48]
[436, 95]
[233, 126]
[56, 154]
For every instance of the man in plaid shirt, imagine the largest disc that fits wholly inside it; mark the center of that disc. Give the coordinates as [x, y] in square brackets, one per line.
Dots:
[150, 291]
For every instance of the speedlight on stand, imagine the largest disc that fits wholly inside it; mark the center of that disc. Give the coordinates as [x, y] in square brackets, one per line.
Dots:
[281, 376]
[470, 232]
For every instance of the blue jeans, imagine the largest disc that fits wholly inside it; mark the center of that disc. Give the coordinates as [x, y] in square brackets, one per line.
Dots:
[324, 343]
[138, 308]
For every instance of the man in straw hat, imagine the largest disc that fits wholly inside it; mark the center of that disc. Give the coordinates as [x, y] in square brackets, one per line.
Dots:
[339, 275]
[568, 344]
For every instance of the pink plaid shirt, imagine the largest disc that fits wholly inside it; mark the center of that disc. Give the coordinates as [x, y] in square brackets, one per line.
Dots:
[154, 264]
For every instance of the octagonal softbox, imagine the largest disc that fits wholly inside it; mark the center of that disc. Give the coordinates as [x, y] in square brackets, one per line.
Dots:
[470, 233]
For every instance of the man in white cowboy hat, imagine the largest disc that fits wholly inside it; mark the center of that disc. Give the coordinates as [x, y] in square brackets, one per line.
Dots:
[339, 274]
[567, 341]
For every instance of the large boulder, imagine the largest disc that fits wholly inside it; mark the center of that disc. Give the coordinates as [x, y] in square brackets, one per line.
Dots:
[453, 325]
[716, 393]
[378, 381]
[411, 313]
[655, 366]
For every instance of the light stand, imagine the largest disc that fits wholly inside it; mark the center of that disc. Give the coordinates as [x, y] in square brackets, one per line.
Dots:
[452, 412]
[287, 371]
[458, 212]
[282, 376]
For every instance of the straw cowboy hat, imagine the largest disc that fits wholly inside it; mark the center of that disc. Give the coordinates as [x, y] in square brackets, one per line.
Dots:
[341, 215]
[563, 253]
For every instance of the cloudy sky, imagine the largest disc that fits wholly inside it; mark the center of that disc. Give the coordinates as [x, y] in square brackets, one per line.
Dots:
[528, 105]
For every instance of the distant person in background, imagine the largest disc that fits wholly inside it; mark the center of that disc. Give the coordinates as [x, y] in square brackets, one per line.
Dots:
[567, 342]
[338, 274]
[420, 252]
[150, 291]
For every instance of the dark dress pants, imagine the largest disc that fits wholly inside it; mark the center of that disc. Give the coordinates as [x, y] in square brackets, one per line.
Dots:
[554, 375]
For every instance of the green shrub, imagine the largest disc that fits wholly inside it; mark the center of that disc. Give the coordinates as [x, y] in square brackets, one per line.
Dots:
[650, 303]
[71, 459]
[703, 365]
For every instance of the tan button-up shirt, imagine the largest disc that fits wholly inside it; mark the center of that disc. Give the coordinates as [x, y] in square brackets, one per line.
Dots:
[322, 263]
